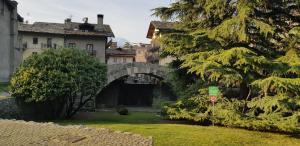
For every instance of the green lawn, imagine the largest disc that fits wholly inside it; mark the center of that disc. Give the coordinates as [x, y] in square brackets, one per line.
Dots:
[3, 87]
[166, 134]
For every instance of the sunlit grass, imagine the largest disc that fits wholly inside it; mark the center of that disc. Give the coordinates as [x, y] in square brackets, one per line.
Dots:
[165, 134]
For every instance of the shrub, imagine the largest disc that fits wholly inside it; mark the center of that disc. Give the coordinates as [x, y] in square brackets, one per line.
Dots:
[159, 103]
[55, 79]
[278, 113]
[122, 110]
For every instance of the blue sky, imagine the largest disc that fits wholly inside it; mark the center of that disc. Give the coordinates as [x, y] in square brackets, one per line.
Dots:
[129, 19]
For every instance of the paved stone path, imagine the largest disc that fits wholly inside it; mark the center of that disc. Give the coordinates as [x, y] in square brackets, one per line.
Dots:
[19, 133]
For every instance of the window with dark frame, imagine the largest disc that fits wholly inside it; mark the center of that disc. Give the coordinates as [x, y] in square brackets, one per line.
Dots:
[49, 42]
[25, 45]
[35, 41]
[90, 49]
[72, 45]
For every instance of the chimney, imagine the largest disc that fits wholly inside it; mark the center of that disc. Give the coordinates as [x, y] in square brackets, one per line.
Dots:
[68, 23]
[68, 20]
[100, 19]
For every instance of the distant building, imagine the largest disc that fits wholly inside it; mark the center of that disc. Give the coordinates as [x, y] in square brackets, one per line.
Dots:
[8, 38]
[155, 31]
[141, 52]
[114, 45]
[94, 38]
[119, 56]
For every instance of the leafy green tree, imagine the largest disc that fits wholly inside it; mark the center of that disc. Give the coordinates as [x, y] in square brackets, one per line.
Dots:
[67, 75]
[127, 45]
[252, 45]
[234, 43]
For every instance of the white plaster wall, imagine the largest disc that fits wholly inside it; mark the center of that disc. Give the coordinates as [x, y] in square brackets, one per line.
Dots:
[42, 39]
[140, 55]
[98, 43]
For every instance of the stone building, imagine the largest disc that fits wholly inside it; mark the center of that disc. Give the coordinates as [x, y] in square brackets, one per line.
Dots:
[8, 38]
[142, 51]
[94, 38]
[119, 56]
[155, 31]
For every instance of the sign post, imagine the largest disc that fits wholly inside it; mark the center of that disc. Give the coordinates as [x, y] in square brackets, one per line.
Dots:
[213, 93]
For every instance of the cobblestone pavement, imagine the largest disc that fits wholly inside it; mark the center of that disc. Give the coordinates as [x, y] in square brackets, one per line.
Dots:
[23, 133]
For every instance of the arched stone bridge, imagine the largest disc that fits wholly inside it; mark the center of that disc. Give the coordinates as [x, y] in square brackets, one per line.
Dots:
[117, 71]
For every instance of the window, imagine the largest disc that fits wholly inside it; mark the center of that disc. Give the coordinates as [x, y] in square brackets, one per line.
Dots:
[43, 45]
[25, 45]
[72, 45]
[54, 46]
[124, 60]
[34, 53]
[90, 49]
[35, 41]
[115, 60]
[49, 42]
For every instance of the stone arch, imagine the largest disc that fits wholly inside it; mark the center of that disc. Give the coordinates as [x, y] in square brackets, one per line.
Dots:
[117, 71]
[115, 74]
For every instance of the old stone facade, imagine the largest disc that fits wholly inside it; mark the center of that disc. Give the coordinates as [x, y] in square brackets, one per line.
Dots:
[94, 38]
[8, 38]
[142, 52]
[131, 84]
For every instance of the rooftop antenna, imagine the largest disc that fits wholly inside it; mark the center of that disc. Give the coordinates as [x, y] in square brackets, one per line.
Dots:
[85, 19]
[28, 18]
[70, 16]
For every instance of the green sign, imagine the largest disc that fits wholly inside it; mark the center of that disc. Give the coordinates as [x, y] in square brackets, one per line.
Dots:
[213, 91]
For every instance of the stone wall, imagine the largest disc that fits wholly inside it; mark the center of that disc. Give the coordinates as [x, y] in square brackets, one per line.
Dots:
[120, 70]
[8, 39]
[8, 107]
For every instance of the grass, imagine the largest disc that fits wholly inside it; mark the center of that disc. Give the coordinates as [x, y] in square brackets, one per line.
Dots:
[3, 87]
[166, 134]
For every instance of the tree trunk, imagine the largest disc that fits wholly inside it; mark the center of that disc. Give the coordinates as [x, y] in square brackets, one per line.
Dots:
[246, 100]
[244, 90]
[73, 111]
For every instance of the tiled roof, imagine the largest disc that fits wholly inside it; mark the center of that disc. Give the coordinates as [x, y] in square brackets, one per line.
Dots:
[163, 25]
[120, 52]
[159, 25]
[72, 28]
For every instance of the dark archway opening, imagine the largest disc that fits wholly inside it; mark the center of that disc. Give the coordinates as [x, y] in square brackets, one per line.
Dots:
[136, 95]
[133, 92]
